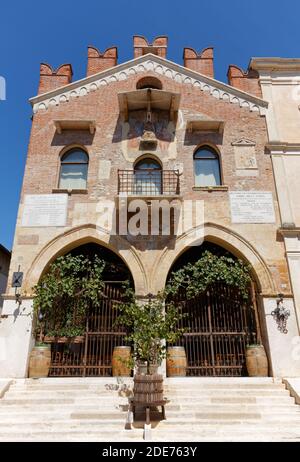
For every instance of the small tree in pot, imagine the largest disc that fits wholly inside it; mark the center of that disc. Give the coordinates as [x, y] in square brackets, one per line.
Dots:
[150, 326]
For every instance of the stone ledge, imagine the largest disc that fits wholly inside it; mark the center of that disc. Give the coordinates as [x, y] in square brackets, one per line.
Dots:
[69, 191]
[210, 188]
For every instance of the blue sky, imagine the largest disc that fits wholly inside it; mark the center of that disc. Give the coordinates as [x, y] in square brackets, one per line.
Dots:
[59, 31]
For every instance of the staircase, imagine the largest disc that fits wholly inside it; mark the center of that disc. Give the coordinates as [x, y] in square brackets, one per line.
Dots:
[200, 409]
[66, 409]
[229, 409]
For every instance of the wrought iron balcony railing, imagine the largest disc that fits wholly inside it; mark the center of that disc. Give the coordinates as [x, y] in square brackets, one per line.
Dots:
[148, 182]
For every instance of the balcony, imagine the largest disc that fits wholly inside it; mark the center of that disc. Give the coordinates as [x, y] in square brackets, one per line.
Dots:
[148, 182]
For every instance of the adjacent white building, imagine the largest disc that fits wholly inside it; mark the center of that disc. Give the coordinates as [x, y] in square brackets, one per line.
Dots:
[280, 84]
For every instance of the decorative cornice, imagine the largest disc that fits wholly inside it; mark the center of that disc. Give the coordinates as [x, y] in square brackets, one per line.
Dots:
[277, 71]
[155, 64]
[275, 64]
[283, 148]
[289, 232]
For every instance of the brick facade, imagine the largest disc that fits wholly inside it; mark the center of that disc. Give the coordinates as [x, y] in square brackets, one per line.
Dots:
[105, 115]
[117, 142]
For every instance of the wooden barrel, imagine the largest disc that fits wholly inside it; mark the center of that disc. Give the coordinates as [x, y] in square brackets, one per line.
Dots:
[176, 362]
[256, 361]
[40, 360]
[148, 388]
[121, 355]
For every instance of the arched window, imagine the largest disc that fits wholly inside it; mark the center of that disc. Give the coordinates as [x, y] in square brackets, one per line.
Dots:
[74, 169]
[206, 167]
[147, 177]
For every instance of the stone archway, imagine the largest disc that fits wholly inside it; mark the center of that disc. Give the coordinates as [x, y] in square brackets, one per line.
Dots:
[83, 333]
[225, 237]
[240, 248]
[219, 321]
[88, 234]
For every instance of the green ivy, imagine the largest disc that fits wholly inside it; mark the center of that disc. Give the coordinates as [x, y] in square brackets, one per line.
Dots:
[66, 292]
[195, 278]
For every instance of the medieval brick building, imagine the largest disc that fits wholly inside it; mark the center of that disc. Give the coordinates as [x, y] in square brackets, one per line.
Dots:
[153, 129]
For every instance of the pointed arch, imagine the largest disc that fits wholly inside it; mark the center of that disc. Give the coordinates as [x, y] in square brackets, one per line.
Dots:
[82, 235]
[224, 237]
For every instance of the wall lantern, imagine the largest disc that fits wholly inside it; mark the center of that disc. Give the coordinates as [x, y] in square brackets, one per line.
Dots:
[281, 314]
[17, 280]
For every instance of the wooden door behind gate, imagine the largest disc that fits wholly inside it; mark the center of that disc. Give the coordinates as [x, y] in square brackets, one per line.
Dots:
[92, 357]
[219, 324]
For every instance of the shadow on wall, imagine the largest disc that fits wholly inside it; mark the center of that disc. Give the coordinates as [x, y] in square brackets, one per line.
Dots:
[69, 137]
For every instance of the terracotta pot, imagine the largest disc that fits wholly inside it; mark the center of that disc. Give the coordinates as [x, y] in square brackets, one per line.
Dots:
[256, 361]
[176, 362]
[121, 355]
[39, 361]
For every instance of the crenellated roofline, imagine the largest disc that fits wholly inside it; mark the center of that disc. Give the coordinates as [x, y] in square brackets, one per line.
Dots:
[142, 64]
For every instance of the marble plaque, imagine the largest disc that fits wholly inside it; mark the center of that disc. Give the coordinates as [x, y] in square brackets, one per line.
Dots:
[45, 210]
[252, 207]
[245, 157]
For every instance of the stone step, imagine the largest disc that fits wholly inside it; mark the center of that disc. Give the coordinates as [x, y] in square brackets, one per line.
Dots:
[170, 407]
[179, 393]
[208, 412]
[207, 418]
[63, 394]
[73, 437]
[185, 420]
[75, 390]
[79, 401]
[224, 386]
[76, 380]
[250, 437]
[224, 418]
[168, 385]
[216, 380]
[175, 383]
[203, 429]
[172, 380]
[230, 399]
[66, 425]
[67, 409]
[77, 434]
[128, 393]
[226, 391]
[231, 428]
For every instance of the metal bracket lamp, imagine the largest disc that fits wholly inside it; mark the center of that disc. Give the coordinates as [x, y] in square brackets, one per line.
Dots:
[281, 315]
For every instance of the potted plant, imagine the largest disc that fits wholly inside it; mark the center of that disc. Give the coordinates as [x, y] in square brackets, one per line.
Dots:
[150, 326]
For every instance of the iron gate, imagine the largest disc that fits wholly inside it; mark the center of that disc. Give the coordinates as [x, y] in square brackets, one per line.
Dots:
[219, 324]
[91, 356]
